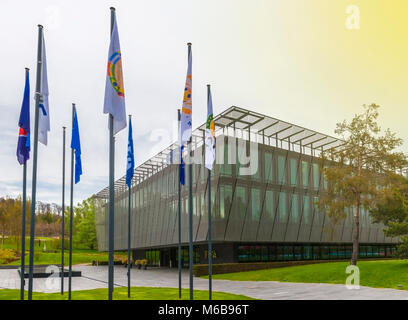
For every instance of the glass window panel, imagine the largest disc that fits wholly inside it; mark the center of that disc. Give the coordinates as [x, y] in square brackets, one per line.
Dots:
[315, 176]
[295, 208]
[293, 171]
[297, 253]
[288, 253]
[255, 203]
[203, 212]
[203, 173]
[272, 253]
[316, 215]
[333, 252]
[226, 168]
[264, 253]
[305, 174]
[195, 212]
[306, 210]
[281, 169]
[240, 200]
[282, 207]
[325, 252]
[225, 200]
[213, 213]
[268, 167]
[256, 175]
[316, 252]
[307, 252]
[222, 202]
[269, 204]
[279, 253]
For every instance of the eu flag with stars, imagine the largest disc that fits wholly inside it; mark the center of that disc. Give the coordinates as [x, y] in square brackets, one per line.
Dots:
[76, 146]
[23, 145]
[130, 168]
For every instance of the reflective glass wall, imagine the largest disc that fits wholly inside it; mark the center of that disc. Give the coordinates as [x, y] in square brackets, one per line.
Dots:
[276, 204]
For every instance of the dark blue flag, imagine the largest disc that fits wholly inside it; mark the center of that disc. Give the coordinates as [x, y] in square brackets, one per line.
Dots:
[76, 146]
[130, 168]
[23, 145]
[182, 173]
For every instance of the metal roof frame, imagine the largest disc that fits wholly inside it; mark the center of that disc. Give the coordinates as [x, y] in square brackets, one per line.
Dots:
[238, 119]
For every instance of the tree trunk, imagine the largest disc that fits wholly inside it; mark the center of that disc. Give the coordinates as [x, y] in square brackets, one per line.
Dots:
[356, 234]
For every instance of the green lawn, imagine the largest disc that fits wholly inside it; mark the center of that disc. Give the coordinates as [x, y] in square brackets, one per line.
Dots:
[78, 256]
[40, 257]
[378, 274]
[137, 293]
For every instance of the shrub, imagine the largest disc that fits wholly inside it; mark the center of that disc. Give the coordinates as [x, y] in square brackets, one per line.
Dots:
[56, 244]
[7, 256]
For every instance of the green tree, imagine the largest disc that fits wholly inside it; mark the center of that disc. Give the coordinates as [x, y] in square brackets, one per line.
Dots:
[392, 211]
[359, 170]
[85, 233]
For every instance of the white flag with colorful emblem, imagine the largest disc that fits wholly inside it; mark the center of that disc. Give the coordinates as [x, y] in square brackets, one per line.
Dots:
[209, 135]
[44, 112]
[186, 110]
[114, 90]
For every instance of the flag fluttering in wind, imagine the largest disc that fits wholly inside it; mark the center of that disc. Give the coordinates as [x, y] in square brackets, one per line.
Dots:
[182, 167]
[23, 145]
[114, 89]
[186, 110]
[76, 146]
[44, 112]
[209, 135]
[186, 119]
[130, 168]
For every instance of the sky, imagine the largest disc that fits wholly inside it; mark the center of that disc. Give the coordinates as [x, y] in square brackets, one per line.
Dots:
[313, 63]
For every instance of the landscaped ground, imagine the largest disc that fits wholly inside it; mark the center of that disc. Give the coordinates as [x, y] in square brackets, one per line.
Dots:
[78, 256]
[137, 293]
[53, 255]
[377, 274]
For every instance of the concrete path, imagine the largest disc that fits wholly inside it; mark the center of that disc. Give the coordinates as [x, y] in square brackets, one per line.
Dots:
[96, 277]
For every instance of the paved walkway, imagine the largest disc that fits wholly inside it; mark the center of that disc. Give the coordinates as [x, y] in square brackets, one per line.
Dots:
[96, 277]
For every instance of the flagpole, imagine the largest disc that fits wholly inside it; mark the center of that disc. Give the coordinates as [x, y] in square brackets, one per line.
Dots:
[111, 189]
[23, 227]
[71, 213]
[63, 211]
[128, 264]
[23, 218]
[190, 205]
[209, 223]
[34, 181]
[179, 210]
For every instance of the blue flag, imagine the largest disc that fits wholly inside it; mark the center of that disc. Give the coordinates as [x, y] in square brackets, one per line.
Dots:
[23, 145]
[76, 146]
[130, 168]
[182, 172]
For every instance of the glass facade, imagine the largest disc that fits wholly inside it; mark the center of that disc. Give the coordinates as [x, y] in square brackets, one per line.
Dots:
[285, 252]
[276, 207]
